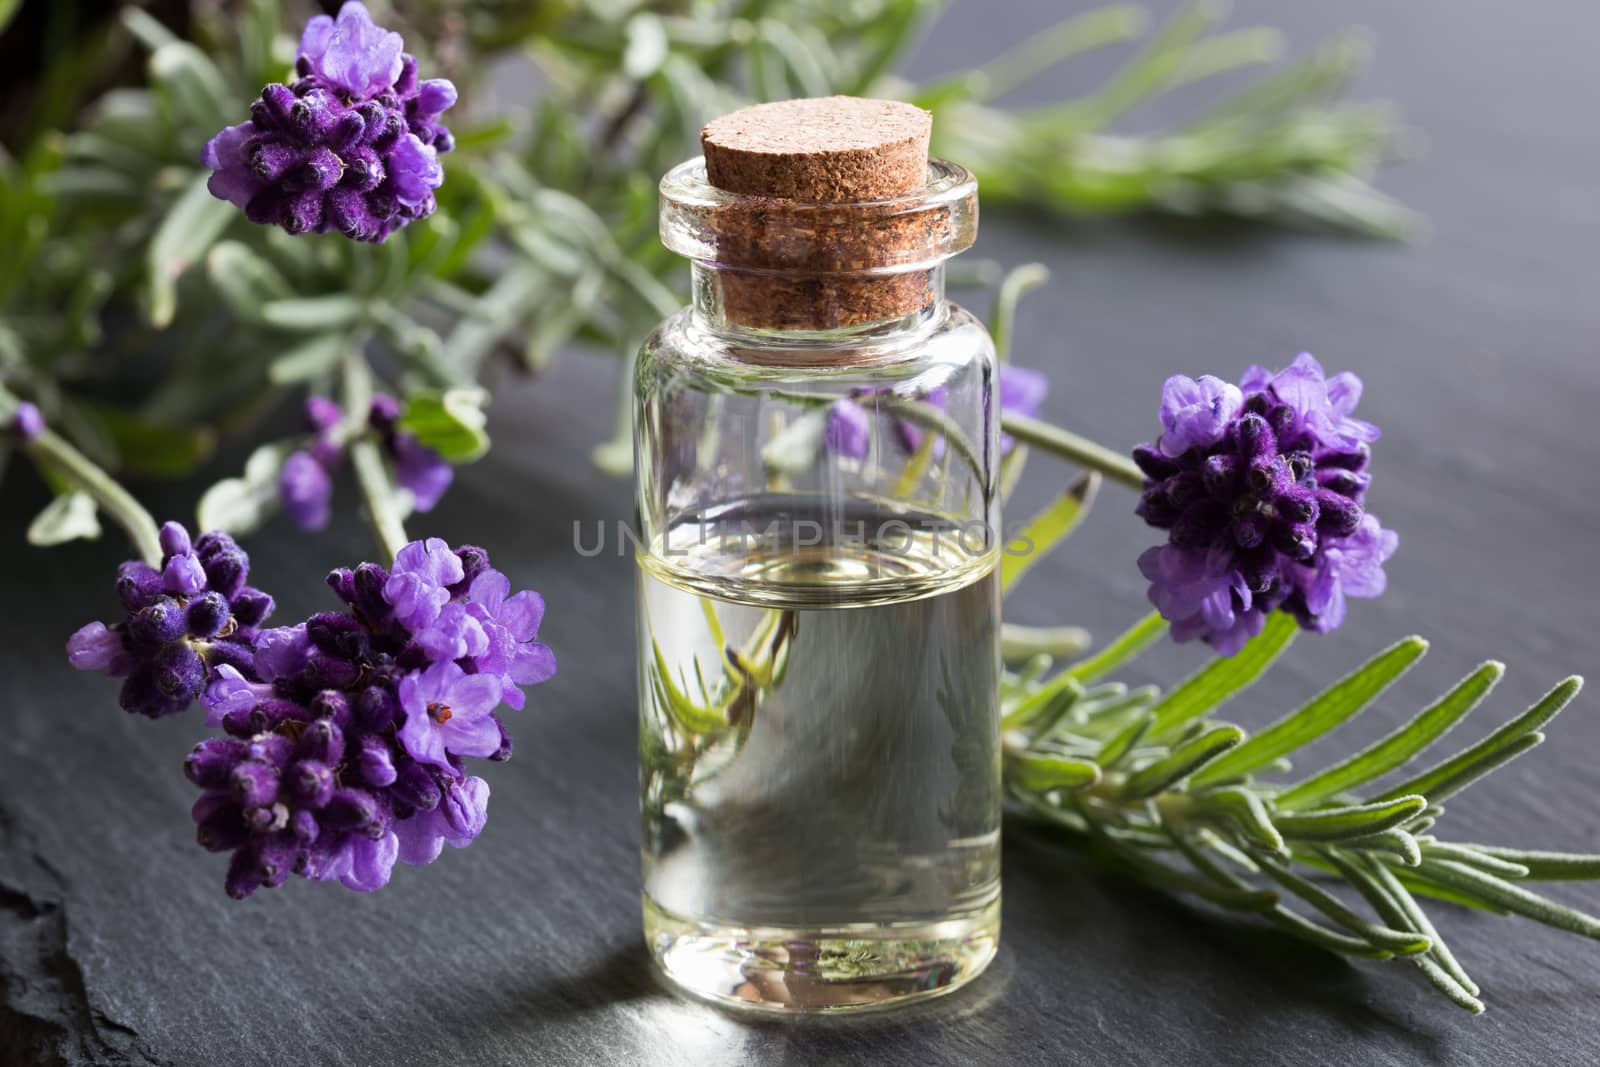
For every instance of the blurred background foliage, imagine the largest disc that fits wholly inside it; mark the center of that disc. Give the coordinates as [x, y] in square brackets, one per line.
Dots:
[149, 320]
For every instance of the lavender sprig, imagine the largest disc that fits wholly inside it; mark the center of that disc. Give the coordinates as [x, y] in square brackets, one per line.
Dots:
[352, 146]
[345, 737]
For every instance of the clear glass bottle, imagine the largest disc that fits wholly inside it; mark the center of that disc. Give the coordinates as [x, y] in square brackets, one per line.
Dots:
[816, 454]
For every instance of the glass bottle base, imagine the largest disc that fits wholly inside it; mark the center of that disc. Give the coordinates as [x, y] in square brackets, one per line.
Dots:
[816, 971]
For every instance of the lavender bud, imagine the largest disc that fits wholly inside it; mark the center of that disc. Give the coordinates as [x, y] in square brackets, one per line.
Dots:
[1296, 542]
[1248, 529]
[1297, 505]
[273, 749]
[219, 823]
[244, 876]
[207, 615]
[280, 102]
[1155, 509]
[474, 561]
[375, 708]
[138, 584]
[179, 674]
[335, 634]
[350, 131]
[368, 589]
[27, 422]
[273, 712]
[332, 705]
[322, 740]
[303, 824]
[310, 782]
[274, 862]
[174, 540]
[374, 763]
[1338, 516]
[416, 786]
[212, 543]
[1354, 460]
[323, 671]
[503, 753]
[407, 81]
[312, 117]
[227, 570]
[1269, 476]
[1155, 466]
[251, 606]
[1184, 489]
[266, 819]
[1343, 482]
[350, 809]
[160, 623]
[1196, 526]
[253, 784]
[384, 412]
[342, 581]
[212, 762]
[1256, 439]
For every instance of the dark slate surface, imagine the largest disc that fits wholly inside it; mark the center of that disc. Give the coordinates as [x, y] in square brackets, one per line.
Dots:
[1479, 349]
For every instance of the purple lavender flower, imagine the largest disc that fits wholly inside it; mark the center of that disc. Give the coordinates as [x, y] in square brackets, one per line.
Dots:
[306, 490]
[26, 421]
[191, 615]
[1262, 489]
[353, 145]
[848, 431]
[343, 736]
[447, 713]
[305, 482]
[417, 467]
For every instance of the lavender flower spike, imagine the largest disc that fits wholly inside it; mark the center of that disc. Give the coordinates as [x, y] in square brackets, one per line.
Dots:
[351, 146]
[312, 776]
[1262, 490]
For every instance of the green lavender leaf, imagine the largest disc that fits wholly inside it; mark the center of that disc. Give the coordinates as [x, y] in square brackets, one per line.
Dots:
[1181, 762]
[194, 222]
[1511, 897]
[1223, 678]
[1545, 866]
[1018, 642]
[68, 517]
[1343, 823]
[1048, 528]
[239, 505]
[1399, 747]
[1505, 744]
[1042, 772]
[1329, 709]
[310, 360]
[451, 423]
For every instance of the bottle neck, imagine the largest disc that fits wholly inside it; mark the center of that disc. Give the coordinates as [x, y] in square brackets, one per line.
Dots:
[798, 307]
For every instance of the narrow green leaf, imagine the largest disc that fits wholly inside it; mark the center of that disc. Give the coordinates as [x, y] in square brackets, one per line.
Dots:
[1159, 874]
[1047, 529]
[1471, 857]
[1051, 699]
[1011, 467]
[1511, 897]
[691, 716]
[1359, 820]
[1455, 773]
[8, 8]
[194, 222]
[1545, 866]
[451, 423]
[1447, 984]
[1113, 751]
[240, 505]
[1399, 747]
[1321, 936]
[313, 314]
[1390, 898]
[1399, 942]
[1019, 642]
[1224, 677]
[68, 517]
[1332, 707]
[1244, 810]
[244, 279]
[1123, 648]
[310, 359]
[1018, 283]
[1042, 773]
[191, 85]
[1181, 762]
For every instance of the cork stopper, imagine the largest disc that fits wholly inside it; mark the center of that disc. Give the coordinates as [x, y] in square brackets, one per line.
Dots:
[818, 215]
[832, 148]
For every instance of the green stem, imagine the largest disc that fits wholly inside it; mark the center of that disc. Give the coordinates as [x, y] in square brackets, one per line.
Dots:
[54, 451]
[378, 493]
[1075, 449]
